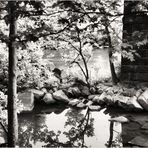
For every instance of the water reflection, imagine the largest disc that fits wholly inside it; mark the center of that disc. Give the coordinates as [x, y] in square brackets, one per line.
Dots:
[33, 130]
[115, 138]
[68, 128]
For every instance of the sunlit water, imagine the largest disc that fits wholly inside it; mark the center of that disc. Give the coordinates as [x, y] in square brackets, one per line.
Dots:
[66, 128]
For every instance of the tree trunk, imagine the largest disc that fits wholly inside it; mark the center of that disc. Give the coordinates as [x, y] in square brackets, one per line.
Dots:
[115, 80]
[12, 87]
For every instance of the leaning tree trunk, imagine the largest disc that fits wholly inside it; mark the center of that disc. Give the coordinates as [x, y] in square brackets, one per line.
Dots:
[12, 87]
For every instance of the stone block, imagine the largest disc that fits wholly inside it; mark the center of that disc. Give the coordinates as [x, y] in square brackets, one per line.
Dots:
[38, 94]
[27, 100]
[143, 100]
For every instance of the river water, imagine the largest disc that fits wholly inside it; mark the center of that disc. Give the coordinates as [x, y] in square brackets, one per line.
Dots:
[98, 64]
[69, 127]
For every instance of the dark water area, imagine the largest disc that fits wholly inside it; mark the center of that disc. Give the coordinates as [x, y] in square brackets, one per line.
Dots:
[57, 126]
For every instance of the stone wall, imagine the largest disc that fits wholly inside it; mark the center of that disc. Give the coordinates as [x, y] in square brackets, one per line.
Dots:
[135, 21]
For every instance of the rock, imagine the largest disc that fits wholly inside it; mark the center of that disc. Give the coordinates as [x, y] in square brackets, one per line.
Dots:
[92, 90]
[44, 90]
[89, 103]
[121, 101]
[94, 107]
[83, 100]
[139, 141]
[27, 100]
[133, 104]
[109, 100]
[145, 126]
[143, 87]
[85, 91]
[95, 99]
[51, 91]
[74, 102]
[91, 97]
[74, 92]
[120, 119]
[48, 99]
[117, 89]
[110, 92]
[99, 98]
[99, 91]
[138, 118]
[138, 93]
[38, 94]
[143, 100]
[129, 92]
[81, 105]
[102, 87]
[55, 89]
[60, 96]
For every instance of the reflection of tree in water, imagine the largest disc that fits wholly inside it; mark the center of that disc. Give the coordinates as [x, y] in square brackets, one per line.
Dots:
[115, 139]
[25, 131]
[79, 126]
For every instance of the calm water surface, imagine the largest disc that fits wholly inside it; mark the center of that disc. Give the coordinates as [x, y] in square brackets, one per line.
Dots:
[59, 127]
[56, 127]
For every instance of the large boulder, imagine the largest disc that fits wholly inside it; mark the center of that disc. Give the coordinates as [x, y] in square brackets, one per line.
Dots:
[82, 86]
[74, 92]
[27, 101]
[60, 96]
[48, 99]
[38, 94]
[143, 100]
[133, 104]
